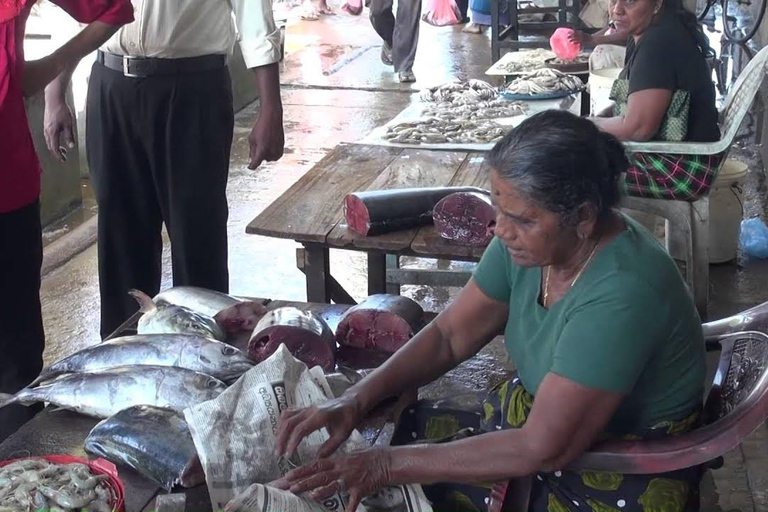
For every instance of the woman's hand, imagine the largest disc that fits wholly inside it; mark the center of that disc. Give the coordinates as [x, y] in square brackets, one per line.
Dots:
[361, 474]
[339, 416]
[581, 37]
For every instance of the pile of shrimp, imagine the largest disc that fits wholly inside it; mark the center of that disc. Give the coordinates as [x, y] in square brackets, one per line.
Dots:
[35, 484]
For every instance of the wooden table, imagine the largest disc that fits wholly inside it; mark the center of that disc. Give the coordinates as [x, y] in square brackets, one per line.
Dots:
[310, 212]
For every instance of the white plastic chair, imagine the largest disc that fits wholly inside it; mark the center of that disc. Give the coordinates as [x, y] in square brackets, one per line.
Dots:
[688, 222]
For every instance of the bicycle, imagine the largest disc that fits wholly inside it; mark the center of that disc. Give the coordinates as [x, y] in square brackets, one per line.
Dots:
[749, 13]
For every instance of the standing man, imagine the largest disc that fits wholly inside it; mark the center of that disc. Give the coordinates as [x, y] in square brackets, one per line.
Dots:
[159, 132]
[400, 34]
[21, 249]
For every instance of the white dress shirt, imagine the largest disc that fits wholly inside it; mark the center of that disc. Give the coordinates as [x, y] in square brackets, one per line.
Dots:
[173, 29]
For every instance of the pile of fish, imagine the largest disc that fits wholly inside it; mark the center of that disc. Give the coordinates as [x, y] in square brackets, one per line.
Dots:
[582, 58]
[459, 92]
[36, 484]
[434, 130]
[545, 81]
[525, 61]
[494, 109]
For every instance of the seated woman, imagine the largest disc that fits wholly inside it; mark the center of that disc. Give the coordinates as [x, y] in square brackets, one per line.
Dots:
[667, 52]
[599, 323]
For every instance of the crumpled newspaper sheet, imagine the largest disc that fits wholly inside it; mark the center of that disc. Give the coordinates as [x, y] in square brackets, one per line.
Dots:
[236, 433]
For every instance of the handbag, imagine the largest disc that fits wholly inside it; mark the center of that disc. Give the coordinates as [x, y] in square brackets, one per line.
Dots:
[674, 127]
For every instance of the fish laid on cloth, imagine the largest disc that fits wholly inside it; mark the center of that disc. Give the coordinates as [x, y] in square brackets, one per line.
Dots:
[39, 485]
[545, 81]
[231, 313]
[381, 322]
[203, 355]
[154, 441]
[170, 319]
[465, 217]
[306, 335]
[376, 212]
[102, 394]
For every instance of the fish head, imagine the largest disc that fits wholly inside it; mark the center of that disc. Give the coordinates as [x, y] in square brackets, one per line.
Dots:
[224, 361]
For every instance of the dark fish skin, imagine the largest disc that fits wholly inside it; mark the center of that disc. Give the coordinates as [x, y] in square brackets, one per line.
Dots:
[151, 440]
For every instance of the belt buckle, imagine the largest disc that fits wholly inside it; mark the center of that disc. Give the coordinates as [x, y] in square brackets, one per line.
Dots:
[126, 64]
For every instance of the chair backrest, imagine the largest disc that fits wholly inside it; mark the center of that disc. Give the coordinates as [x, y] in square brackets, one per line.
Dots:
[736, 407]
[739, 101]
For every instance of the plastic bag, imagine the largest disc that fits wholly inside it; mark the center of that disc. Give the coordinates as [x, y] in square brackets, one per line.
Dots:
[564, 48]
[441, 13]
[754, 238]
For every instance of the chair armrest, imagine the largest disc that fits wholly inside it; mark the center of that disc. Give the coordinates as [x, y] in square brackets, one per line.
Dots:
[675, 148]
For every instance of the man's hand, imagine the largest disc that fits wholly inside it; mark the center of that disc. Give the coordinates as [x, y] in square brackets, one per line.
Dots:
[39, 73]
[58, 127]
[267, 138]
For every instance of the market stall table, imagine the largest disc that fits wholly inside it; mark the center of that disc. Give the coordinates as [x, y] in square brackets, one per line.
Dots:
[64, 433]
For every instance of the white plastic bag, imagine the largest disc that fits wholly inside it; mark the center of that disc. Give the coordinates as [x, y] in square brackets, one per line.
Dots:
[441, 13]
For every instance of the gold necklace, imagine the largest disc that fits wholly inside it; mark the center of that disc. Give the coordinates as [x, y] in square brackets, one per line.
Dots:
[578, 275]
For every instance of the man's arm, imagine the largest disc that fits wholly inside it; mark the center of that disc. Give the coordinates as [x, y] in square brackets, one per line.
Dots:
[58, 122]
[260, 45]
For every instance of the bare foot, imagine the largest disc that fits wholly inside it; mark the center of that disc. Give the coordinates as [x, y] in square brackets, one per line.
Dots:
[324, 9]
[308, 11]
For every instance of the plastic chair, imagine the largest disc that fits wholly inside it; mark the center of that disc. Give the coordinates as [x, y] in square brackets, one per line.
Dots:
[736, 406]
[695, 239]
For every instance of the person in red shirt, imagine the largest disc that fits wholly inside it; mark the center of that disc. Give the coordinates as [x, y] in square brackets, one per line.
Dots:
[21, 327]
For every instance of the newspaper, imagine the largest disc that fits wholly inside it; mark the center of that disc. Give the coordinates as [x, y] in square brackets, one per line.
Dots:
[236, 433]
[260, 498]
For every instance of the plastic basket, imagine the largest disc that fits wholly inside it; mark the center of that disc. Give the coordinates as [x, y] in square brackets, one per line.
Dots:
[113, 483]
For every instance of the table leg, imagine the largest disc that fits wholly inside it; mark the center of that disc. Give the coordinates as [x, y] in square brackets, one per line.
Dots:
[393, 263]
[318, 272]
[377, 273]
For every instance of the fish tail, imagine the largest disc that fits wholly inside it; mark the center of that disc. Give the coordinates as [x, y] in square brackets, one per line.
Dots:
[145, 301]
[6, 399]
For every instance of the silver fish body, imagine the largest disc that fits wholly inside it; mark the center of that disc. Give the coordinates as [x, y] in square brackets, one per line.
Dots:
[231, 313]
[154, 441]
[171, 319]
[201, 300]
[102, 394]
[196, 353]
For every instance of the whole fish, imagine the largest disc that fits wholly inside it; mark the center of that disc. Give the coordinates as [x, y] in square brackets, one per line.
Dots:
[151, 440]
[204, 355]
[102, 394]
[231, 313]
[170, 319]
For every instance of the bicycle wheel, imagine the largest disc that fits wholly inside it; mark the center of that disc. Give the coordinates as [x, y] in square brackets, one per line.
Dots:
[702, 8]
[742, 18]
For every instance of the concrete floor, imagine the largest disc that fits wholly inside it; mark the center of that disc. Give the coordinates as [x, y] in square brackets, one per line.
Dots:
[336, 90]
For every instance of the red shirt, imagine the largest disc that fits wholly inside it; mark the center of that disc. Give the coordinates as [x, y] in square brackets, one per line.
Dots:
[19, 166]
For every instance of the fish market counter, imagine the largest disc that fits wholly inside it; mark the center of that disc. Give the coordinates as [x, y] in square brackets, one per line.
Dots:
[59, 432]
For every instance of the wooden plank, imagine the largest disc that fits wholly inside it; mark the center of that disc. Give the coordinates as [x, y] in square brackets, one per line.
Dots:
[310, 209]
[412, 168]
[473, 173]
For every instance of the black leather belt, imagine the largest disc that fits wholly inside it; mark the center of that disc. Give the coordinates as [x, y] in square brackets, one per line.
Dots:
[142, 67]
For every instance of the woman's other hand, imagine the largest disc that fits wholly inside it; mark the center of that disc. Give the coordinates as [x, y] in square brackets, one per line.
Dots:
[581, 37]
[339, 416]
[360, 474]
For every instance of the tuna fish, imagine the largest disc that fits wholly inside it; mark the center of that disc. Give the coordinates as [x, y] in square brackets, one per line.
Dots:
[465, 217]
[231, 313]
[306, 335]
[151, 440]
[381, 322]
[102, 394]
[170, 319]
[204, 355]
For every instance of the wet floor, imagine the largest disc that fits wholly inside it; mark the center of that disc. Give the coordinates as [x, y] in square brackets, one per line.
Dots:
[336, 90]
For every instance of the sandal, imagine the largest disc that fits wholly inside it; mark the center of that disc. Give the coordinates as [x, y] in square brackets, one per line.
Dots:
[354, 11]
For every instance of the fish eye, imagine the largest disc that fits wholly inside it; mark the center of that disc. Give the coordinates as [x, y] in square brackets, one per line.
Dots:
[228, 351]
[212, 384]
